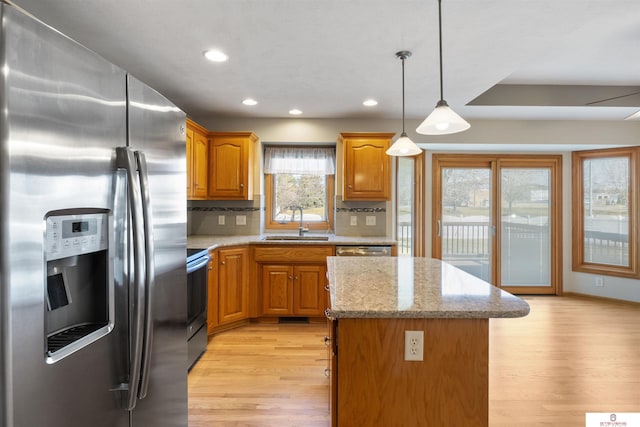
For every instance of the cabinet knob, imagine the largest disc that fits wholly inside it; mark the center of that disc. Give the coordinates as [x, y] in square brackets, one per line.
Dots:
[326, 287]
[241, 185]
[327, 372]
[327, 340]
[290, 277]
[350, 186]
[222, 263]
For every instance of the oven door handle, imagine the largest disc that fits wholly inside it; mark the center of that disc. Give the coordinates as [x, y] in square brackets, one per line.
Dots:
[198, 264]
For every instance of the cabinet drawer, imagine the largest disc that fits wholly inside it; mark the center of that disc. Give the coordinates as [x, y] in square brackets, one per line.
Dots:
[292, 253]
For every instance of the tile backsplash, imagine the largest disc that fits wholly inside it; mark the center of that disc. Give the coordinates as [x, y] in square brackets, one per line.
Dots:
[224, 218]
[361, 218]
[229, 218]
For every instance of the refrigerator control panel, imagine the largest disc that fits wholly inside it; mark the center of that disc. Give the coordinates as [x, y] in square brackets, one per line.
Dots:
[69, 235]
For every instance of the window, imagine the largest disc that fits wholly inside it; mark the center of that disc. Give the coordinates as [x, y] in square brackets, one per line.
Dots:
[404, 204]
[299, 178]
[605, 211]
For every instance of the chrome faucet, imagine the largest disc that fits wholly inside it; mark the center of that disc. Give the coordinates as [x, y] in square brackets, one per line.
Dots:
[301, 229]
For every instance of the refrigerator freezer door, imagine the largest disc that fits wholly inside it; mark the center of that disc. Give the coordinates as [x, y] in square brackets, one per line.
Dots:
[157, 129]
[64, 112]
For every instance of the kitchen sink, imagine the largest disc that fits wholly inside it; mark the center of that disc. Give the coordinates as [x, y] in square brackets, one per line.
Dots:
[292, 237]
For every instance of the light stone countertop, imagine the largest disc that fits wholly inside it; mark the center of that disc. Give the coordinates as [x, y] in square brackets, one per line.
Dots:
[405, 287]
[214, 242]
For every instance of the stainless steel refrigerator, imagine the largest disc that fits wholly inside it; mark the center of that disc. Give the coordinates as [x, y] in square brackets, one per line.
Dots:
[92, 239]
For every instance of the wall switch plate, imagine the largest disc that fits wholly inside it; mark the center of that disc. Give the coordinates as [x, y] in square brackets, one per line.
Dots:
[241, 220]
[353, 220]
[599, 281]
[220, 219]
[371, 220]
[414, 345]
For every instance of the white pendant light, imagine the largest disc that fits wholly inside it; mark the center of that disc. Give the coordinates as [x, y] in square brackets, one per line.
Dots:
[443, 120]
[403, 146]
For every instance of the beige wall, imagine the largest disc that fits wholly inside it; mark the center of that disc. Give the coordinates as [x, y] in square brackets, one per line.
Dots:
[510, 133]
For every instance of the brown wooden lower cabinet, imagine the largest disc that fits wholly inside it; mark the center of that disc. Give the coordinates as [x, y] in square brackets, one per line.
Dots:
[233, 289]
[332, 370]
[374, 385]
[212, 292]
[289, 290]
[292, 279]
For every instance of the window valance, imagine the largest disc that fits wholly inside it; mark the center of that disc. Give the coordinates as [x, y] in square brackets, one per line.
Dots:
[300, 160]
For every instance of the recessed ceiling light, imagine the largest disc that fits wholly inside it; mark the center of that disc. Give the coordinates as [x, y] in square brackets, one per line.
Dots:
[295, 112]
[215, 55]
[370, 102]
[250, 101]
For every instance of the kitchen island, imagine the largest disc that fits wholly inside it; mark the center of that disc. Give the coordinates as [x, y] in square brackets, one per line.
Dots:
[374, 301]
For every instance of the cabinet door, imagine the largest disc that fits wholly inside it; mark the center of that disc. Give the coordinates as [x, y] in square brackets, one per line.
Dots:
[199, 164]
[277, 289]
[367, 167]
[309, 296]
[189, 163]
[233, 301]
[230, 166]
[212, 295]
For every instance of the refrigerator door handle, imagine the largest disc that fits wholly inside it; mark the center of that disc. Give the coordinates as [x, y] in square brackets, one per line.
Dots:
[126, 160]
[149, 277]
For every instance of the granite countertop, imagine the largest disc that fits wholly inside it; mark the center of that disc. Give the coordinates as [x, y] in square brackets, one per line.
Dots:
[213, 242]
[404, 287]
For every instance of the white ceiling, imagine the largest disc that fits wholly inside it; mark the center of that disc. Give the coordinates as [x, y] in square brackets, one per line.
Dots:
[326, 56]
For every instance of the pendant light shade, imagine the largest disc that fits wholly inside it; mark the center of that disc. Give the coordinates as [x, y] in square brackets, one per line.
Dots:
[403, 146]
[443, 120]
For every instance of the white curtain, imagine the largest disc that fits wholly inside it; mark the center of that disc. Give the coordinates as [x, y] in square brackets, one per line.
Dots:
[300, 160]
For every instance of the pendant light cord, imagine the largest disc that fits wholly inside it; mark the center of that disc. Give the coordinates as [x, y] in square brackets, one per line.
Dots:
[403, 132]
[440, 39]
[403, 54]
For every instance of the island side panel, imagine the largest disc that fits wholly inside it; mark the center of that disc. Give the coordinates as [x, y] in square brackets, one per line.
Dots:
[376, 386]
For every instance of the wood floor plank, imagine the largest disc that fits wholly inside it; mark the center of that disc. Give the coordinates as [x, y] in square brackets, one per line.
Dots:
[569, 356]
[262, 375]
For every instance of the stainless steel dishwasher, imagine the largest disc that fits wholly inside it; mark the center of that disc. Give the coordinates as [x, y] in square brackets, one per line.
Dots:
[372, 250]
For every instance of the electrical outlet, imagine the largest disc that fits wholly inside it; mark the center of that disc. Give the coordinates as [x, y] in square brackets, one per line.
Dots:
[414, 345]
[370, 220]
[241, 220]
[353, 220]
[220, 219]
[599, 281]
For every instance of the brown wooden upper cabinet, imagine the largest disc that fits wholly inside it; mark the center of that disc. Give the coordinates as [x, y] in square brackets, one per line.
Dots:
[231, 165]
[197, 160]
[366, 166]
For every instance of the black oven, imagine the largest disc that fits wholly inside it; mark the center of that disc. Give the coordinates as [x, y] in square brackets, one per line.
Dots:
[197, 283]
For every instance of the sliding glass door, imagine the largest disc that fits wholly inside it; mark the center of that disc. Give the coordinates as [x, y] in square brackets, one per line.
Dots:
[465, 228]
[498, 218]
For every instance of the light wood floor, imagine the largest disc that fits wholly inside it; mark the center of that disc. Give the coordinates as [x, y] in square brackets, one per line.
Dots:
[567, 357]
